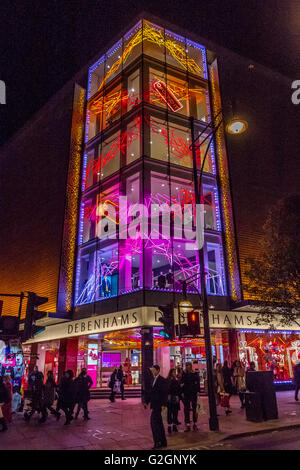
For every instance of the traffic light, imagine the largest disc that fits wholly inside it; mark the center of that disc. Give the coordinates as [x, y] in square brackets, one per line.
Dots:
[32, 315]
[167, 319]
[9, 326]
[193, 323]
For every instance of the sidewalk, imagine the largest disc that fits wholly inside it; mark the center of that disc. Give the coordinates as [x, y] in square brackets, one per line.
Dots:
[125, 425]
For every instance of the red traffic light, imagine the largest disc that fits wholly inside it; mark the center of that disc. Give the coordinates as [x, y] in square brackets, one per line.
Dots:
[193, 323]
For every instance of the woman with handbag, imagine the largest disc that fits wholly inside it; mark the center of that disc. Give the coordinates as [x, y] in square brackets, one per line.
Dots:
[173, 404]
[221, 391]
[239, 377]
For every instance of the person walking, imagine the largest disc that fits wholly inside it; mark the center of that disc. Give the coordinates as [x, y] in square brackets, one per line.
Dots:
[297, 379]
[36, 393]
[6, 408]
[227, 377]
[49, 395]
[240, 381]
[111, 385]
[190, 386]
[67, 395]
[83, 384]
[157, 398]
[174, 393]
[223, 396]
[121, 378]
[4, 398]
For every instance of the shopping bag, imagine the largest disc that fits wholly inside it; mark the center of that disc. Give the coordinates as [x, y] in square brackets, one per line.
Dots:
[200, 406]
[117, 386]
[224, 400]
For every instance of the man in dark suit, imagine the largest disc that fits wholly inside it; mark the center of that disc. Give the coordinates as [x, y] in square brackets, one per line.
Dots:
[157, 398]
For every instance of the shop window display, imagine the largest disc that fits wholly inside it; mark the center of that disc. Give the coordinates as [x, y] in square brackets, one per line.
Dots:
[277, 352]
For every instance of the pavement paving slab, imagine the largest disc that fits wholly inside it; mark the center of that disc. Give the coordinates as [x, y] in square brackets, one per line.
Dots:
[126, 425]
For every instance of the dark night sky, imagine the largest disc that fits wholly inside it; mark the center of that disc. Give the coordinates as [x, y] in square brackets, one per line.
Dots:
[45, 42]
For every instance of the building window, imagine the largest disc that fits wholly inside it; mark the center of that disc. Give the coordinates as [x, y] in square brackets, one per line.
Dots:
[109, 156]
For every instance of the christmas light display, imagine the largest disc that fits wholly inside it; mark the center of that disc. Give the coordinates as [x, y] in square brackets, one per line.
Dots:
[153, 35]
[235, 288]
[161, 89]
[71, 211]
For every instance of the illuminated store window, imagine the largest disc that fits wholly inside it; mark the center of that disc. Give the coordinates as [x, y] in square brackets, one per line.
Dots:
[179, 143]
[107, 271]
[107, 213]
[208, 199]
[173, 139]
[131, 264]
[198, 101]
[110, 108]
[158, 139]
[133, 90]
[89, 217]
[109, 156]
[132, 47]
[157, 93]
[153, 41]
[175, 50]
[132, 140]
[113, 62]
[214, 269]
[195, 58]
[90, 175]
[96, 77]
[203, 145]
[169, 92]
[87, 280]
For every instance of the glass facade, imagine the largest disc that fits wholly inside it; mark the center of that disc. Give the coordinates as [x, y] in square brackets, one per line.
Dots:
[144, 96]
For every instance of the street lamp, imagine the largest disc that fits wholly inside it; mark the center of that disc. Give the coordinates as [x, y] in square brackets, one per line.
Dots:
[235, 126]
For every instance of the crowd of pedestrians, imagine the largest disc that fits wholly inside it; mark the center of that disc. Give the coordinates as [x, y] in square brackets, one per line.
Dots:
[41, 395]
[183, 386]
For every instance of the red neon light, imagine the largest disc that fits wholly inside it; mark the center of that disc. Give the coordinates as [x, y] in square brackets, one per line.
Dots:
[161, 89]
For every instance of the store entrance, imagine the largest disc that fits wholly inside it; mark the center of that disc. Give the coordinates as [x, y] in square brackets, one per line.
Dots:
[103, 353]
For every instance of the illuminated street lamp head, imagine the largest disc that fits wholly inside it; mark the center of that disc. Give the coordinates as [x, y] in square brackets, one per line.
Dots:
[236, 126]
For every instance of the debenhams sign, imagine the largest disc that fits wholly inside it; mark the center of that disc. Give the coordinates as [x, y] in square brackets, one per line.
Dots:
[143, 316]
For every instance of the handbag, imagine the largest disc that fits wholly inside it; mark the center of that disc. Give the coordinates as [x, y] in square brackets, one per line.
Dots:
[225, 400]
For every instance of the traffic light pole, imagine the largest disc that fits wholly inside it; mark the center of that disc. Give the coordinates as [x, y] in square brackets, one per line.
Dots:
[213, 419]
